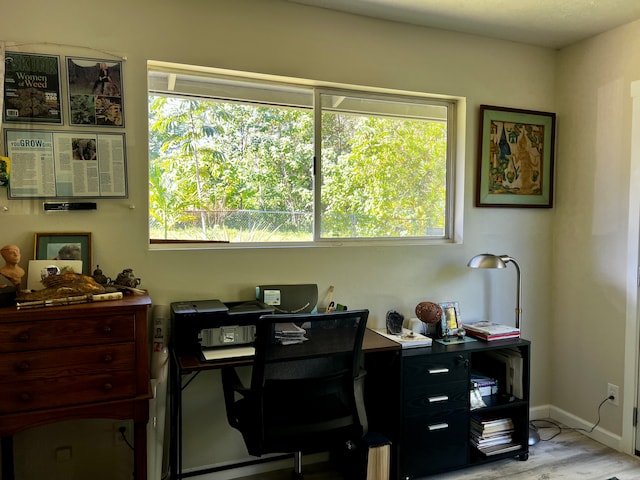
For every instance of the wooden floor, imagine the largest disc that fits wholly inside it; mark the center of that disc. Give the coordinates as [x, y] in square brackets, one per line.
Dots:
[567, 456]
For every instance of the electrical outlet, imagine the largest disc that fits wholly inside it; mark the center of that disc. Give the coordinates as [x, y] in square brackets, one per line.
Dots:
[63, 454]
[117, 434]
[612, 391]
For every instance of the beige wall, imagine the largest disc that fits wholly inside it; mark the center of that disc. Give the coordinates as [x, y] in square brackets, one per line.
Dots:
[595, 237]
[571, 310]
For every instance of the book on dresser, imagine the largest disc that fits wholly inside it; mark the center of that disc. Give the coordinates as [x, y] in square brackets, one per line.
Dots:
[489, 331]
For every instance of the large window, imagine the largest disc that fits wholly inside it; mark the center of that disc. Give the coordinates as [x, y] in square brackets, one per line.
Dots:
[244, 160]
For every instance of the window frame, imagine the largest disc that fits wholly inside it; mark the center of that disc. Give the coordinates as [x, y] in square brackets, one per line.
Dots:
[454, 160]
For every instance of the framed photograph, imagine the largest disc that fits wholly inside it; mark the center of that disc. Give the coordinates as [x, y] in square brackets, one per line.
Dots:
[451, 320]
[95, 92]
[32, 88]
[64, 246]
[515, 158]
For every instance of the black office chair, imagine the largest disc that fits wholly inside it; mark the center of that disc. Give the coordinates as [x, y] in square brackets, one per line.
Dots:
[304, 397]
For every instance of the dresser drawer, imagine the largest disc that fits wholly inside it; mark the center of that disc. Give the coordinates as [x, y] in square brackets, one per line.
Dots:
[430, 399]
[434, 369]
[432, 444]
[66, 391]
[66, 333]
[47, 364]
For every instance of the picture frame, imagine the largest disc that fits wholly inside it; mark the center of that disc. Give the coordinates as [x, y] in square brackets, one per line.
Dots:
[451, 321]
[64, 246]
[516, 151]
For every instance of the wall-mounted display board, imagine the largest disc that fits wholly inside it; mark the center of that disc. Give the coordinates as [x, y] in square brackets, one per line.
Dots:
[47, 164]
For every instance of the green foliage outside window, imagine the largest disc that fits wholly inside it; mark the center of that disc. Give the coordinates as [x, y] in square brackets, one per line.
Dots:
[232, 171]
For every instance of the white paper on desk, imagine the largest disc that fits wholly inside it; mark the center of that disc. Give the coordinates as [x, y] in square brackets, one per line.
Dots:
[222, 353]
[34, 276]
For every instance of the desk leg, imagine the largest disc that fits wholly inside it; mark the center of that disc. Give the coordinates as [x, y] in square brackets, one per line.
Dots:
[140, 450]
[175, 427]
[7, 458]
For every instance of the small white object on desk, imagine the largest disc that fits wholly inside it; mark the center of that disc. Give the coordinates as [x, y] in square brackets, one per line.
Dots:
[224, 353]
[408, 338]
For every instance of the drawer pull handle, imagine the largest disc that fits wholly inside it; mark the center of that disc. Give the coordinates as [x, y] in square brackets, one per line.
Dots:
[438, 371]
[107, 358]
[439, 398]
[23, 337]
[107, 387]
[106, 329]
[437, 426]
[25, 397]
[23, 366]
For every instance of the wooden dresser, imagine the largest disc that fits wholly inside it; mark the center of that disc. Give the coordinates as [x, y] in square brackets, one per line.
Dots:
[73, 362]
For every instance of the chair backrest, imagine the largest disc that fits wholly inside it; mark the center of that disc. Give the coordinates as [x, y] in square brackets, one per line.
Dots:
[307, 389]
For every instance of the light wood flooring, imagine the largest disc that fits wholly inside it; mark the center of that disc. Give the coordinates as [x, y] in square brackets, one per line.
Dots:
[568, 456]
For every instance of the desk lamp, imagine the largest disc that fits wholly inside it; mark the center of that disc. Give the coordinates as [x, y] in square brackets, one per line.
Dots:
[488, 260]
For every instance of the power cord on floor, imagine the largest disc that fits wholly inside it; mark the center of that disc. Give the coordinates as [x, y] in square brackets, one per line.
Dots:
[561, 428]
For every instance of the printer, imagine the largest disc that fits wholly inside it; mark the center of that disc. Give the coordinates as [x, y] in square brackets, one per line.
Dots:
[202, 324]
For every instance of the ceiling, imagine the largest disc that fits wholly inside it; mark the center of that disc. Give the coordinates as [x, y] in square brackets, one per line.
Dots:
[547, 23]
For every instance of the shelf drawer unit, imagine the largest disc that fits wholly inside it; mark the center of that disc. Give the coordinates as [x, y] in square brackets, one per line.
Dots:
[76, 361]
[420, 399]
[435, 414]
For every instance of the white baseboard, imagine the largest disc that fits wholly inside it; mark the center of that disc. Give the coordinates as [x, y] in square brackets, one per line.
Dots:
[599, 434]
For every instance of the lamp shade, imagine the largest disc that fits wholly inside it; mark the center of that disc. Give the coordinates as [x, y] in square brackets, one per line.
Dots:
[487, 260]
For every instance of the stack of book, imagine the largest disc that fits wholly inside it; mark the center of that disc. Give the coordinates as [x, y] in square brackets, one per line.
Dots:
[485, 385]
[289, 333]
[493, 436]
[488, 331]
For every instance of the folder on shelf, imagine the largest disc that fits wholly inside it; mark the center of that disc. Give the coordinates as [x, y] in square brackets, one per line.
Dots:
[513, 364]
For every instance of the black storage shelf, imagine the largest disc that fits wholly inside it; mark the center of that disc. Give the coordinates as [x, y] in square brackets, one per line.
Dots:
[419, 398]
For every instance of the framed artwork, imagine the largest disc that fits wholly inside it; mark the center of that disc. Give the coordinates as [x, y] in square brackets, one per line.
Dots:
[64, 246]
[515, 158]
[451, 320]
[32, 88]
[95, 92]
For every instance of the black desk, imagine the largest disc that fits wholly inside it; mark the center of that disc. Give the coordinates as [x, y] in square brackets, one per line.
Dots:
[182, 365]
[418, 398]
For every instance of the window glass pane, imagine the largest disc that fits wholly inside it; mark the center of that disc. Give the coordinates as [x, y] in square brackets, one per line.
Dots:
[229, 171]
[384, 168]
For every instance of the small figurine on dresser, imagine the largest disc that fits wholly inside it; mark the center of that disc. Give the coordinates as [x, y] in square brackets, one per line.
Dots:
[11, 270]
[127, 279]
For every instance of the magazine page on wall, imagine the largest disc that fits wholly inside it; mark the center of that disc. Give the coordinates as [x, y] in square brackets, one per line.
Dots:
[31, 88]
[70, 164]
[95, 92]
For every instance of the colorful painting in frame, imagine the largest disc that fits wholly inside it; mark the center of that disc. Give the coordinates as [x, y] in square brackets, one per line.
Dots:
[515, 158]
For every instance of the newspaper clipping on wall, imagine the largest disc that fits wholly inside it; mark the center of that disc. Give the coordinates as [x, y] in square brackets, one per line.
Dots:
[68, 165]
